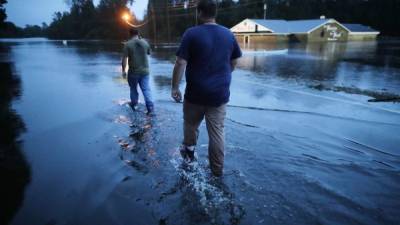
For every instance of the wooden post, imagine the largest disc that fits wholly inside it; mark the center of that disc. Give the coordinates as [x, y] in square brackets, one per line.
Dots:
[168, 25]
[265, 9]
[196, 15]
[154, 25]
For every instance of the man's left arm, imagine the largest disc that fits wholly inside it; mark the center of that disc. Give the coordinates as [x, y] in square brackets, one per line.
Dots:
[233, 64]
[236, 54]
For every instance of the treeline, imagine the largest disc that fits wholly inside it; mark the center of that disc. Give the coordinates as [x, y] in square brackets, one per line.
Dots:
[3, 15]
[382, 15]
[86, 21]
[10, 30]
[168, 20]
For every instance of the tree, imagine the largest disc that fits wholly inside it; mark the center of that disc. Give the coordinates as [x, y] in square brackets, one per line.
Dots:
[32, 31]
[167, 22]
[109, 18]
[85, 21]
[3, 15]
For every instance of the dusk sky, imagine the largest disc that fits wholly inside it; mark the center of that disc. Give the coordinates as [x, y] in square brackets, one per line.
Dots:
[22, 12]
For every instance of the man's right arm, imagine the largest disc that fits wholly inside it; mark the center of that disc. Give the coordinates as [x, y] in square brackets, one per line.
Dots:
[124, 60]
[182, 58]
[179, 69]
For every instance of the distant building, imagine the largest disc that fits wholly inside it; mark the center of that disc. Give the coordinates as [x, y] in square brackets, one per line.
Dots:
[318, 30]
[360, 32]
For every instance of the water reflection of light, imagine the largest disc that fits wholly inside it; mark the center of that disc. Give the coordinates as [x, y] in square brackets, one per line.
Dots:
[15, 170]
[120, 80]
[264, 46]
[265, 52]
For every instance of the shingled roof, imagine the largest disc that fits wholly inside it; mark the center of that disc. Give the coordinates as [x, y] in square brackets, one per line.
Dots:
[354, 27]
[276, 26]
[292, 26]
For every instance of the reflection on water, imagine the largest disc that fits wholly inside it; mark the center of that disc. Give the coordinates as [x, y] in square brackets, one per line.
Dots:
[14, 169]
[314, 61]
[363, 65]
[373, 65]
[162, 81]
[89, 78]
[267, 46]
[301, 137]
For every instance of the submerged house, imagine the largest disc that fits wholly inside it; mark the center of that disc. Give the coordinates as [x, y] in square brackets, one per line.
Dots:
[317, 30]
[360, 32]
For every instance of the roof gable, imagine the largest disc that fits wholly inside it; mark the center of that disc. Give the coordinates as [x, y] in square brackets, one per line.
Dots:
[293, 26]
[249, 25]
[276, 26]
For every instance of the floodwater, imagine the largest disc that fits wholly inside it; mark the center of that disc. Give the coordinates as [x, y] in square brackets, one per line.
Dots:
[312, 137]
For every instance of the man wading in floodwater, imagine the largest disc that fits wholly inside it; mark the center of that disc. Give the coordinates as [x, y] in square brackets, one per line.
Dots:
[136, 51]
[209, 53]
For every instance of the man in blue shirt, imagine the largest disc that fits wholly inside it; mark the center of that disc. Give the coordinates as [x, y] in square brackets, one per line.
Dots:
[209, 53]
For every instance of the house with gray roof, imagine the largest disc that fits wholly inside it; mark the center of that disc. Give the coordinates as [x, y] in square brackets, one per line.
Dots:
[314, 30]
[360, 32]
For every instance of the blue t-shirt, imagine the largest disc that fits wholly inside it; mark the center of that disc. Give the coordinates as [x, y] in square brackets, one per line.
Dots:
[208, 50]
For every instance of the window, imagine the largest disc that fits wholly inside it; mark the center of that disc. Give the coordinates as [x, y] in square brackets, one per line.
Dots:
[246, 39]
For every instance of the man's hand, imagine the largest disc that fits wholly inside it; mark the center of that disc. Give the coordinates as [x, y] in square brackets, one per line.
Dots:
[176, 94]
[233, 64]
[124, 75]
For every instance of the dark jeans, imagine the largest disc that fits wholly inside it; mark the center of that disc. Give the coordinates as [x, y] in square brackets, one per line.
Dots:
[143, 81]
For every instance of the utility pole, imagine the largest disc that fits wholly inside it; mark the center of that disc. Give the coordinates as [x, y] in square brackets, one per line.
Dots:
[265, 9]
[154, 25]
[168, 25]
[196, 15]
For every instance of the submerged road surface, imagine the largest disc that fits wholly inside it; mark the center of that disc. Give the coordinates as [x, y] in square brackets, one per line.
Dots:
[303, 143]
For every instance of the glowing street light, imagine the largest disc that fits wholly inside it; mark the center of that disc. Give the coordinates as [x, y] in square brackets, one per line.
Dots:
[126, 17]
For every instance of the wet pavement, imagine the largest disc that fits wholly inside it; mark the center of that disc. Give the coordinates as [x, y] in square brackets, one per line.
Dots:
[304, 145]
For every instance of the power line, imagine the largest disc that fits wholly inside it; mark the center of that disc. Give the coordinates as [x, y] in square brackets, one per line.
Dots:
[223, 10]
[177, 6]
[193, 4]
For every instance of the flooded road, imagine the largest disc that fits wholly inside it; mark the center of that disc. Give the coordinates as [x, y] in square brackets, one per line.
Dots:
[312, 135]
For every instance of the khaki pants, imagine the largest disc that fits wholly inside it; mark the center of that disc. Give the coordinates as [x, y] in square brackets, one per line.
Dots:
[193, 114]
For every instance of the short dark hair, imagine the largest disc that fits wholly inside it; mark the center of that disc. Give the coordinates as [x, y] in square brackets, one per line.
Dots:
[208, 8]
[133, 31]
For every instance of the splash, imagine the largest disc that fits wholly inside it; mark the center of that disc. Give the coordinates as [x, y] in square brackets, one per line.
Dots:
[212, 194]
